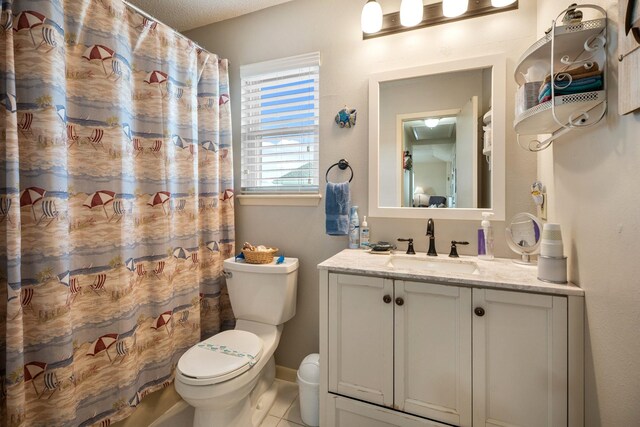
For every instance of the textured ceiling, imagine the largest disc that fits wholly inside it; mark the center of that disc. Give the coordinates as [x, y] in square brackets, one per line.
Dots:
[187, 14]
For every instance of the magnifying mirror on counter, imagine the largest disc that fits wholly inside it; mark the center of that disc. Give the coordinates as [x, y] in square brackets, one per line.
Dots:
[523, 236]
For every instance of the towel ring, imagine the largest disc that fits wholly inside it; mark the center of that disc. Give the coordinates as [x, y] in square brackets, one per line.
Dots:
[342, 165]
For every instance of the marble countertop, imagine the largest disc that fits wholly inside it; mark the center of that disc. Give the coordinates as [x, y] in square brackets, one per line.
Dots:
[499, 273]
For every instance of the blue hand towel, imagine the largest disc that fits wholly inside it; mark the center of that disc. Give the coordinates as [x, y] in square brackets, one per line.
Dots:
[577, 86]
[337, 208]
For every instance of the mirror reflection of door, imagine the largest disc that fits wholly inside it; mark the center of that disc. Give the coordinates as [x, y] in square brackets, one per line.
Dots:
[467, 155]
[443, 147]
[430, 139]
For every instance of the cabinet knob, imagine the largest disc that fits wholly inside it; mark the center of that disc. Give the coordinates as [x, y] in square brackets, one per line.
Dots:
[386, 299]
[479, 311]
[399, 301]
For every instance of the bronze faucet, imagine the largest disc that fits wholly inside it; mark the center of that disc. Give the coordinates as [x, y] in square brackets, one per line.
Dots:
[431, 232]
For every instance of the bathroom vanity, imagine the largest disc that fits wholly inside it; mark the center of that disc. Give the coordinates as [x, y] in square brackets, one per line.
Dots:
[434, 341]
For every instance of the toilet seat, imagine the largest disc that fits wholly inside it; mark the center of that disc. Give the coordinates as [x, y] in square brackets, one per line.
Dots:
[220, 358]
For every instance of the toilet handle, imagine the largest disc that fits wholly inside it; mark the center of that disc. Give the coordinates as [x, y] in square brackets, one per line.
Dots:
[227, 274]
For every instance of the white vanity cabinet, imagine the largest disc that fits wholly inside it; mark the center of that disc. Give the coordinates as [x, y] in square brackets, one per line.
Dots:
[398, 352]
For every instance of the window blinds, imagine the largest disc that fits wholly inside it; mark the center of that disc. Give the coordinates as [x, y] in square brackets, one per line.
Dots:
[280, 125]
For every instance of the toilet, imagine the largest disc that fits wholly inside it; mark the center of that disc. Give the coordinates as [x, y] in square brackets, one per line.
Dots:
[229, 377]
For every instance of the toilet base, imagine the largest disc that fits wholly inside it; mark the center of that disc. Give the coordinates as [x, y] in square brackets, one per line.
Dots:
[250, 411]
[265, 402]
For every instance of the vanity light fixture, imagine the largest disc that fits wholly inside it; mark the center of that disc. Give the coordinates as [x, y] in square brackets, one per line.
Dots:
[371, 18]
[411, 12]
[374, 24]
[453, 8]
[432, 122]
[501, 3]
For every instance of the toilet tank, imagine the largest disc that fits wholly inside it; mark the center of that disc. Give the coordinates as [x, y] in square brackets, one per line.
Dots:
[263, 293]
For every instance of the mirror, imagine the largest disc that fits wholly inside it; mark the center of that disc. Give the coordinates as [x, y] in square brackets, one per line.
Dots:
[437, 140]
[523, 236]
[440, 160]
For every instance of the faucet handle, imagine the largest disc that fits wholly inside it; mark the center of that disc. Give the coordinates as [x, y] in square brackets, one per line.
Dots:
[454, 249]
[410, 250]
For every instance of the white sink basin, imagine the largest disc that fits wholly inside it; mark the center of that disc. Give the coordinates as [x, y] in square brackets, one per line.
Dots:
[426, 264]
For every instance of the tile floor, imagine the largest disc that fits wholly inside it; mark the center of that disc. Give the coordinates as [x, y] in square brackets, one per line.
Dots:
[285, 411]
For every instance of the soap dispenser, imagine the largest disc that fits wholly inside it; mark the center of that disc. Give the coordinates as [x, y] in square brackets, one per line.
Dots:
[485, 237]
[364, 234]
[354, 228]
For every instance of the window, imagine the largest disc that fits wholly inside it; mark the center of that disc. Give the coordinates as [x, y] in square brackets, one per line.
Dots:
[280, 126]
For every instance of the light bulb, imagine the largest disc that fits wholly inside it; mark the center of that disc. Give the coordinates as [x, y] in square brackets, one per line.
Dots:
[431, 123]
[453, 8]
[501, 3]
[411, 12]
[371, 18]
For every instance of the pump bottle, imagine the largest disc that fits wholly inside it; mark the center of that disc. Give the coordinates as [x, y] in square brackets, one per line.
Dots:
[354, 228]
[485, 237]
[364, 234]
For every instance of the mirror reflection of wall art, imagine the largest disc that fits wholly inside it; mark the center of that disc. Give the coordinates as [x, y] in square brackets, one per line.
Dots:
[346, 117]
[407, 163]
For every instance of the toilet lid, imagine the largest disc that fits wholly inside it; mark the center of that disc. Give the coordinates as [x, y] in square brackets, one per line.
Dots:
[222, 357]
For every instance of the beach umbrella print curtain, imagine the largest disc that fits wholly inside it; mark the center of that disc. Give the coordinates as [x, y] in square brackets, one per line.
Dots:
[104, 209]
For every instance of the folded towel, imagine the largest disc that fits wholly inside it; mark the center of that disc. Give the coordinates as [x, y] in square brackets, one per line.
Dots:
[575, 84]
[577, 72]
[571, 89]
[336, 208]
[560, 77]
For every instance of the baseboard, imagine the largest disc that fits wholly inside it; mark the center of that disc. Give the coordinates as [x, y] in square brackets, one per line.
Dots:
[152, 408]
[286, 374]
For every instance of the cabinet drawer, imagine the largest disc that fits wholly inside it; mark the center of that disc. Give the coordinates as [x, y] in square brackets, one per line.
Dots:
[343, 412]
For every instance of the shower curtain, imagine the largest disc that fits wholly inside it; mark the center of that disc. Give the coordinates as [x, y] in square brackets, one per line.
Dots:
[116, 208]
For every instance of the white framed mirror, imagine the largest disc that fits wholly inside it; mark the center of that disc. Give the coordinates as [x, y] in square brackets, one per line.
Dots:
[437, 140]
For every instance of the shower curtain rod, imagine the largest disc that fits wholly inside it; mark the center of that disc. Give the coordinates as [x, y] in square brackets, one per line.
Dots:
[153, 18]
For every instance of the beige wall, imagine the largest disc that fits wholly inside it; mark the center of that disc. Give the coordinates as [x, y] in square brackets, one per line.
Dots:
[333, 28]
[594, 179]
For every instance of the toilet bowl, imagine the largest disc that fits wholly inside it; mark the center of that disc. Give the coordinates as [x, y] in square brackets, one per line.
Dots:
[229, 377]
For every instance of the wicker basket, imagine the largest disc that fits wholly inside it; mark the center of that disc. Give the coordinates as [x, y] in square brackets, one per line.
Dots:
[259, 257]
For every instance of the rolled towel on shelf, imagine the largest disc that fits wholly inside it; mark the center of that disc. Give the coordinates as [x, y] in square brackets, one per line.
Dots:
[337, 200]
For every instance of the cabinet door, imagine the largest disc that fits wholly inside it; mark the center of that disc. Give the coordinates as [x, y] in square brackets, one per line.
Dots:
[343, 412]
[433, 351]
[361, 337]
[519, 359]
